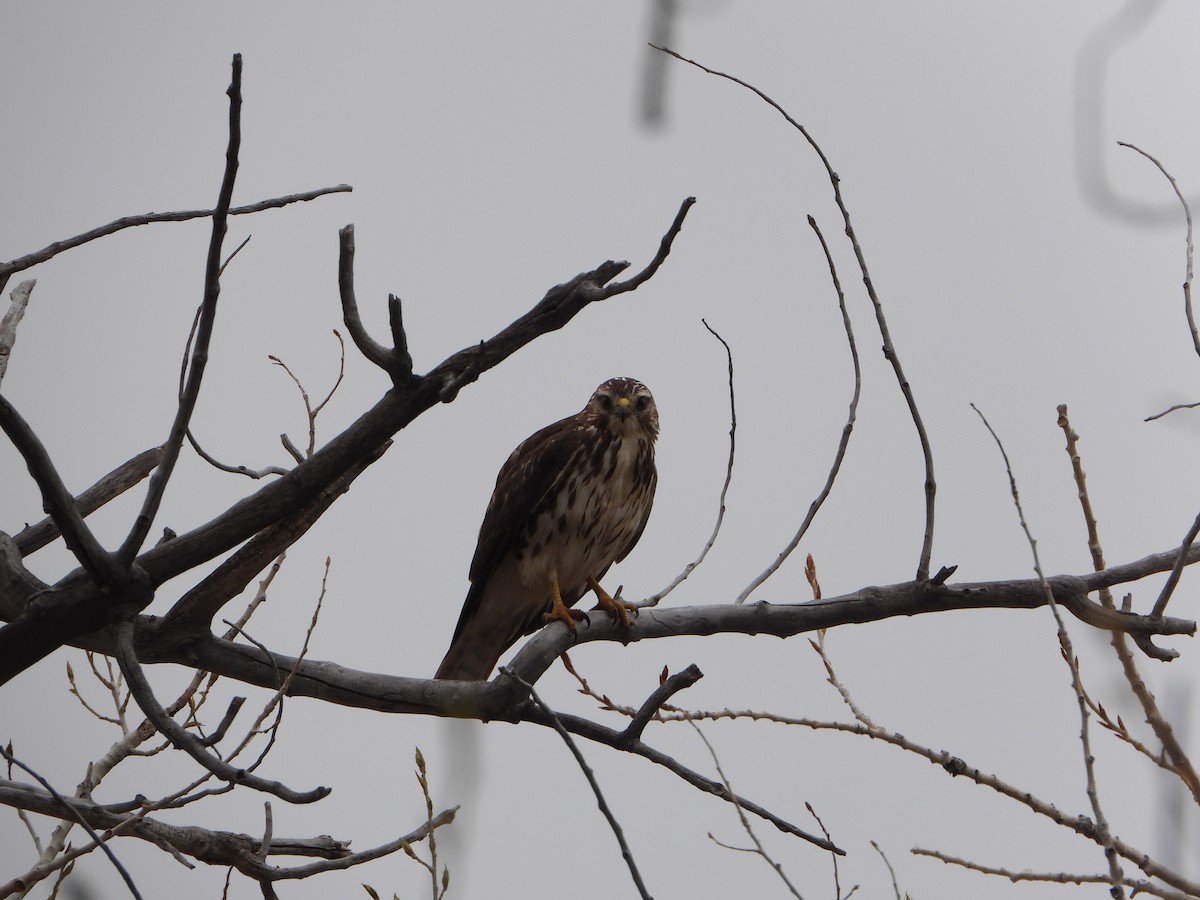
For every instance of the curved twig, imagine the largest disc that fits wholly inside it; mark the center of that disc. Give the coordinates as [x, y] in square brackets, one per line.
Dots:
[664, 250]
[374, 351]
[170, 729]
[47, 253]
[847, 429]
[889, 347]
[654, 599]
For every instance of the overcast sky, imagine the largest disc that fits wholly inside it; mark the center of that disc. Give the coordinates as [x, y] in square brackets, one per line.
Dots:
[495, 150]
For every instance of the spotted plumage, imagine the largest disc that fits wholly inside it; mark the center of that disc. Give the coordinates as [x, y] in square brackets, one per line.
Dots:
[571, 500]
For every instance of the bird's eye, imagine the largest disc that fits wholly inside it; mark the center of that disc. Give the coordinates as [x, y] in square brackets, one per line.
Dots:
[642, 403]
[605, 402]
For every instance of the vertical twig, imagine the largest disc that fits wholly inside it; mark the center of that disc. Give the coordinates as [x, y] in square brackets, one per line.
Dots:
[889, 348]
[212, 291]
[691, 567]
[847, 429]
[1180, 762]
[1103, 834]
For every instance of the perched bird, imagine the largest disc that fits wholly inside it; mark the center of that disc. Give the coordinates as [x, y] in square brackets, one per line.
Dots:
[571, 500]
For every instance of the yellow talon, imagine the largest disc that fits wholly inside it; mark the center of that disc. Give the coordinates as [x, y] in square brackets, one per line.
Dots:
[559, 611]
[615, 608]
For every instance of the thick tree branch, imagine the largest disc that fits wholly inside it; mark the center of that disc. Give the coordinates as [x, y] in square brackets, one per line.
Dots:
[334, 683]
[57, 500]
[194, 611]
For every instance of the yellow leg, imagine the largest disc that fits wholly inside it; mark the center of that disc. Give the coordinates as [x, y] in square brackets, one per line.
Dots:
[559, 611]
[615, 608]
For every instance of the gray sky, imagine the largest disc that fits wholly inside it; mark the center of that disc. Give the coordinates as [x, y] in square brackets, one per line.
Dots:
[495, 150]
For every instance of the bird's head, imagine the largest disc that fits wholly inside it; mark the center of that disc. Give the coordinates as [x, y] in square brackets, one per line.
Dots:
[625, 407]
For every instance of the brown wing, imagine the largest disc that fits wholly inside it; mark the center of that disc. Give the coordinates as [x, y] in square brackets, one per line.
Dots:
[525, 479]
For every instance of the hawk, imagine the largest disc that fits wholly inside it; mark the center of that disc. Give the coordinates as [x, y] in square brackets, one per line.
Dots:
[571, 500]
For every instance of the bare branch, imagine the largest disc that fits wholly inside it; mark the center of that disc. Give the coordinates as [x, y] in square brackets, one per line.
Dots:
[56, 499]
[194, 611]
[368, 346]
[617, 831]
[212, 291]
[181, 739]
[1103, 834]
[46, 253]
[759, 849]
[847, 429]
[665, 691]
[1180, 763]
[1187, 214]
[654, 599]
[664, 250]
[889, 347]
[404, 362]
[594, 731]
[34, 537]
[65, 806]
[1140, 886]
[18, 301]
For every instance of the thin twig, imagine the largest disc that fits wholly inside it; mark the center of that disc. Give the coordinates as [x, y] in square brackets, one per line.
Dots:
[1168, 588]
[617, 831]
[1104, 836]
[889, 347]
[125, 876]
[691, 567]
[212, 291]
[847, 429]
[1187, 214]
[759, 849]
[1140, 886]
[891, 871]
[837, 881]
[49, 252]
[664, 250]
[1180, 763]
[177, 735]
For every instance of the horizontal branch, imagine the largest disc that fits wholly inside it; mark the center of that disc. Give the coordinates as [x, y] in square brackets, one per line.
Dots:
[333, 683]
[242, 851]
[52, 250]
